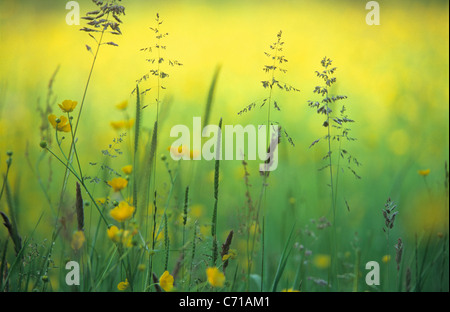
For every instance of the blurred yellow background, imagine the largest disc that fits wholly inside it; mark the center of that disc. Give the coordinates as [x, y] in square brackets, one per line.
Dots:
[395, 75]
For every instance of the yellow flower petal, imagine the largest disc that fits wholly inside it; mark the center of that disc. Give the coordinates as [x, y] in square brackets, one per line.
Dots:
[118, 184]
[122, 124]
[322, 261]
[166, 281]
[117, 125]
[122, 212]
[68, 106]
[232, 253]
[122, 105]
[113, 233]
[215, 277]
[127, 169]
[78, 240]
[424, 172]
[386, 258]
[63, 124]
[123, 285]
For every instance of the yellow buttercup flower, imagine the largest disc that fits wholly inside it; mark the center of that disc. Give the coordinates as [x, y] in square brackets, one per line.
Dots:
[114, 233]
[166, 281]
[78, 240]
[68, 106]
[386, 258]
[118, 184]
[122, 212]
[127, 169]
[122, 105]
[424, 172]
[123, 285]
[63, 124]
[290, 290]
[215, 277]
[322, 261]
[121, 236]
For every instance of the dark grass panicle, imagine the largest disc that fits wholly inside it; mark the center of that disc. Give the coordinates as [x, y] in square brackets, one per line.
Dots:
[226, 248]
[79, 208]
[166, 242]
[216, 196]
[13, 233]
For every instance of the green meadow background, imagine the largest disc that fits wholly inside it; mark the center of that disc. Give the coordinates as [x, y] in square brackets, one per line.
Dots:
[396, 78]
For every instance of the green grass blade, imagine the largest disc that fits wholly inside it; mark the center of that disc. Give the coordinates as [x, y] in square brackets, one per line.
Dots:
[283, 261]
[210, 98]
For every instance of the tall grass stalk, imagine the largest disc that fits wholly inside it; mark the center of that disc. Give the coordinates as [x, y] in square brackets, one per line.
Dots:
[327, 107]
[215, 250]
[137, 132]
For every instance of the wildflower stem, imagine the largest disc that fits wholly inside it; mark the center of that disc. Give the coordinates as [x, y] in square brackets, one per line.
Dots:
[74, 146]
[87, 84]
[337, 173]
[64, 164]
[333, 205]
[82, 183]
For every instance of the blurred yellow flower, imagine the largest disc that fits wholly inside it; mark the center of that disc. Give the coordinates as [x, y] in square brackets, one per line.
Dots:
[322, 261]
[215, 277]
[424, 172]
[166, 281]
[254, 228]
[114, 233]
[117, 236]
[127, 239]
[290, 290]
[118, 184]
[101, 200]
[179, 151]
[122, 124]
[68, 106]
[196, 211]
[127, 169]
[78, 240]
[63, 124]
[122, 212]
[123, 285]
[232, 253]
[175, 150]
[386, 258]
[141, 267]
[122, 105]
[193, 154]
